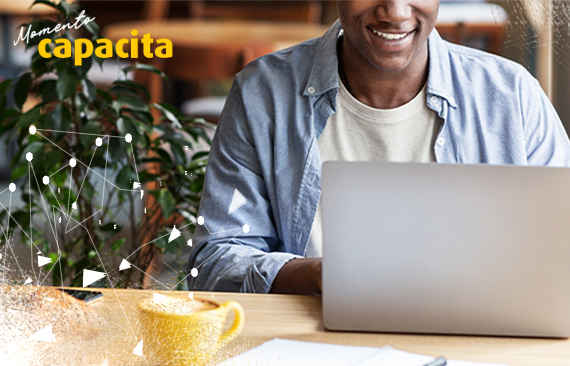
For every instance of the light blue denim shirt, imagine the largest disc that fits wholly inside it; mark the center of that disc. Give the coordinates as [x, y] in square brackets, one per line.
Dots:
[265, 146]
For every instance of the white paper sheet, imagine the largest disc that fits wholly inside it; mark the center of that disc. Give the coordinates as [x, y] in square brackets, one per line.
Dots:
[283, 352]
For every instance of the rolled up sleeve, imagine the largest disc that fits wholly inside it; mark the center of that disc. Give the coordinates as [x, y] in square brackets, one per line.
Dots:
[226, 257]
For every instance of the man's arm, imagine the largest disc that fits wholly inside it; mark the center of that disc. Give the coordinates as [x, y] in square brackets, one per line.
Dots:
[226, 257]
[547, 140]
[299, 276]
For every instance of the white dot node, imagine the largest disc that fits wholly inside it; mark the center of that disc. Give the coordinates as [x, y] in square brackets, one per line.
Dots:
[98, 141]
[12, 187]
[200, 220]
[45, 180]
[194, 272]
[246, 229]
[72, 162]
[32, 130]
[128, 137]
[29, 156]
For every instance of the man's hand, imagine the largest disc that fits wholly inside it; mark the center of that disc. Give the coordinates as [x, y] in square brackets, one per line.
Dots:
[301, 276]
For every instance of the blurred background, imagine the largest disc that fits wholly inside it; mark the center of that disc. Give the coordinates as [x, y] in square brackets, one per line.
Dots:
[213, 40]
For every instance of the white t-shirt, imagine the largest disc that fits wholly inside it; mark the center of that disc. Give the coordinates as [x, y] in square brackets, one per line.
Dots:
[357, 132]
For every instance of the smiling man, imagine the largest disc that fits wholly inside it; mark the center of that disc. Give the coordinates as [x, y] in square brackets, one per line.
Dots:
[381, 84]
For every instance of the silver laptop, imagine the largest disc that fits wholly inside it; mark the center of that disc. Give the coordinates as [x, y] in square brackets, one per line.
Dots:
[438, 248]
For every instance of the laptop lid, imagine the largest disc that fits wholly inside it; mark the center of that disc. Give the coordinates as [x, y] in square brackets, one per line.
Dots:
[442, 248]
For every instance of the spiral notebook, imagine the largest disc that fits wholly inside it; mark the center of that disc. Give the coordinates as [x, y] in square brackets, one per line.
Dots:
[283, 352]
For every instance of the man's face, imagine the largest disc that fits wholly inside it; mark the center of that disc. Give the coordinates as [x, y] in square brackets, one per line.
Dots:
[389, 34]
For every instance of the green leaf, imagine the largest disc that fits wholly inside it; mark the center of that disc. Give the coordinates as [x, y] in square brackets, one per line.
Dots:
[30, 117]
[37, 149]
[126, 177]
[22, 89]
[132, 102]
[168, 113]
[167, 202]
[89, 89]
[67, 83]
[118, 244]
[92, 128]
[47, 90]
[92, 28]
[61, 118]
[179, 155]
[46, 2]
[70, 9]
[145, 67]
[52, 158]
[37, 26]
[125, 125]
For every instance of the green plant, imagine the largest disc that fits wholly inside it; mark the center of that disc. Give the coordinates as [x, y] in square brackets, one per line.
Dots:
[69, 102]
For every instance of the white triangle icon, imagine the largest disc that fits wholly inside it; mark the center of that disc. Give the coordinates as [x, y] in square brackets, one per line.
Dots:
[175, 233]
[44, 335]
[0, 256]
[91, 276]
[39, 252]
[104, 363]
[42, 261]
[238, 200]
[191, 296]
[136, 185]
[138, 349]
[124, 265]
[29, 280]
[189, 243]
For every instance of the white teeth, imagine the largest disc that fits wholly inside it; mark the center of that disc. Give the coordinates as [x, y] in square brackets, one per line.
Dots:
[390, 36]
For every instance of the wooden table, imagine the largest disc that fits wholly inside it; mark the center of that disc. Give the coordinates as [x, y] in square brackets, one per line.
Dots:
[300, 318]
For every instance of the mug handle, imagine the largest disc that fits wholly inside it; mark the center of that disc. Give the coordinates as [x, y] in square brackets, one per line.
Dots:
[239, 321]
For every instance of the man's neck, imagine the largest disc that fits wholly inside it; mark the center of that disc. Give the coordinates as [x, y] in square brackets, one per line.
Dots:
[377, 88]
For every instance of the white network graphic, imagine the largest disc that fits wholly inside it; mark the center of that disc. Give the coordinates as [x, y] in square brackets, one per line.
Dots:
[89, 277]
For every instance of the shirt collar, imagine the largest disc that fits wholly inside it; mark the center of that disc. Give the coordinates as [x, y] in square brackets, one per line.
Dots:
[324, 71]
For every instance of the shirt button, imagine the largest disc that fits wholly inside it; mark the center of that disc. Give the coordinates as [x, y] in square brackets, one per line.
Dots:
[433, 99]
[441, 141]
[311, 90]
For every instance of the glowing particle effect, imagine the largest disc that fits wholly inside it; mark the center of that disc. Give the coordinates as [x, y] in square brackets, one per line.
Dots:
[245, 228]
[44, 335]
[42, 261]
[98, 141]
[238, 200]
[32, 130]
[91, 276]
[124, 265]
[139, 349]
[174, 234]
[12, 187]
[72, 162]
[200, 220]
[194, 272]
[158, 298]
[29, 156]
[129, 138]
[45, 180]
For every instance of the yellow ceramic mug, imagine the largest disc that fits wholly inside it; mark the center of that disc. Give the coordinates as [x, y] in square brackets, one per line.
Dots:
[173, 334]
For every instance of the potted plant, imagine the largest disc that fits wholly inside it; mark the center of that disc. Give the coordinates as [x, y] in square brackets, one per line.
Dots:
[131, 156]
